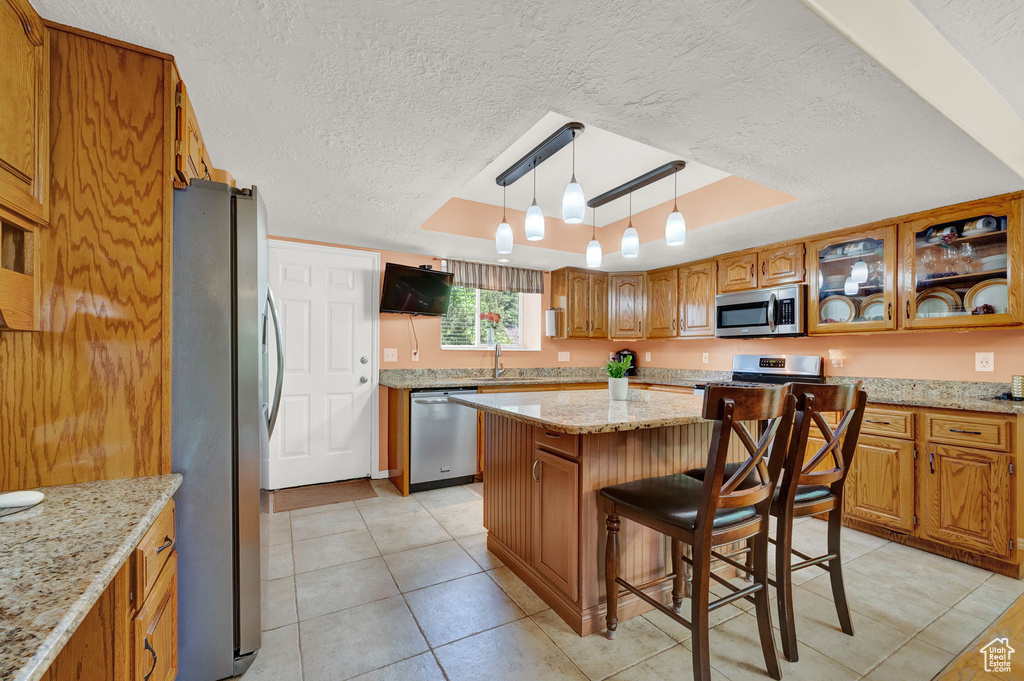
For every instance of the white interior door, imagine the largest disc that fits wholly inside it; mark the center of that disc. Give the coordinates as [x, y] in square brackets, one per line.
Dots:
[327, 424]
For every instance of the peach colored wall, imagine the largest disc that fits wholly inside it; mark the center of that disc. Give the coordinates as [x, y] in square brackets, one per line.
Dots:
[942, 355]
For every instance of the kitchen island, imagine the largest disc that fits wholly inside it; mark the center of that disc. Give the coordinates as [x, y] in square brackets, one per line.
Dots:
[547, 456]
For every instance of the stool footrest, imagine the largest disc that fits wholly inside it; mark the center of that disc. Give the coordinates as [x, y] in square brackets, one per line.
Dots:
[662, 608]
[814, 561]
[745, 592]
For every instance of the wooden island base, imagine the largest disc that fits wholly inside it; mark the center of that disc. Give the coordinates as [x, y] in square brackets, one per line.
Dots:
[543, 515]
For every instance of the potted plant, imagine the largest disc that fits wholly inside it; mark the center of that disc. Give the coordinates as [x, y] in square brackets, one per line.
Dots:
[490, 321]
[618, 384]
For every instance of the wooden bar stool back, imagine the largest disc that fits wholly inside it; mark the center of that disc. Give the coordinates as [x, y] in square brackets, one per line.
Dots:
[813, 484]
[712, 512]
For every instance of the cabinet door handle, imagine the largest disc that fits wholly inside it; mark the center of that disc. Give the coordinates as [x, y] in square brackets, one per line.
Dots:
[908, 309]
[168, 543]
[763, 271]
[889, 309]
[153, 653]
[555, 436]
[966, 432]
[533, 471]
[751, 270]
[931, 462]
[883, 423]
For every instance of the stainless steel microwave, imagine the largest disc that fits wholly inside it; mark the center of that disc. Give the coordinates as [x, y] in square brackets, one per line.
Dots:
[765, 312]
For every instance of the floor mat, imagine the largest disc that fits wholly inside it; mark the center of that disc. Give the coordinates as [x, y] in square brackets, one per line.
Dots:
[317, 495]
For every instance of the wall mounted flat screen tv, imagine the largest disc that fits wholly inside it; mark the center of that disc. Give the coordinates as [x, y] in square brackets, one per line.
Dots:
[413, 290]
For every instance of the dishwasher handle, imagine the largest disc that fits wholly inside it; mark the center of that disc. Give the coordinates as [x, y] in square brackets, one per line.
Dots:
[433, 400]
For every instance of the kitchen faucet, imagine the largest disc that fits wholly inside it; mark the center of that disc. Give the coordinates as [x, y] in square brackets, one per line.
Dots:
[498, 369]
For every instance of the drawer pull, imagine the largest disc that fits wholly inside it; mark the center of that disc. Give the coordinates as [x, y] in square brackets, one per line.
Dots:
[931, 462]
[533, 471]
[966, 432]
[168, 543]
[882, 423]
[555, 436]
[153, 653]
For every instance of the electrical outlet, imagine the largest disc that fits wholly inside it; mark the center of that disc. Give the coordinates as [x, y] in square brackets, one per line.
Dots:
[563, 357]
[647, 357]
[390, 354]
[984, 361]
[704, 357]
[415, 355]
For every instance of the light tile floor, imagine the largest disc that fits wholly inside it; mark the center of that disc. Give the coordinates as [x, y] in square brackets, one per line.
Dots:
[404, 589]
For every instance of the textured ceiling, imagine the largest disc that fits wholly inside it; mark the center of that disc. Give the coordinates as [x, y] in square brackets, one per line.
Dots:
[358, 120]
[988, 34]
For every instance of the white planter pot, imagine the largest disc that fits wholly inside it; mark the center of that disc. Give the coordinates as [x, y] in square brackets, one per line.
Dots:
[618, 387]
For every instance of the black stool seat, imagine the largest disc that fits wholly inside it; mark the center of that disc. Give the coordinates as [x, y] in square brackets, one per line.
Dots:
[804, 493]
[673, 499]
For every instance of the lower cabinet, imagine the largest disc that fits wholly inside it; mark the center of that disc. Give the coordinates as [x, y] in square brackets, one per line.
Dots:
[965, 498]
[155, 629]
[555, 521]
[880, 485]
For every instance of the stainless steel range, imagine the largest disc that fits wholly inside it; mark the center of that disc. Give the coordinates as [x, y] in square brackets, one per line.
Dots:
[760, 369]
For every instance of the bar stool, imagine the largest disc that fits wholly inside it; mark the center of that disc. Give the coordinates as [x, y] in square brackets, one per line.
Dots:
[710, 513]
[812, 485]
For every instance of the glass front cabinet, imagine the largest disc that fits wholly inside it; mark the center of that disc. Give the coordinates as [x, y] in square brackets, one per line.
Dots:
[853, 281]
[959, 267]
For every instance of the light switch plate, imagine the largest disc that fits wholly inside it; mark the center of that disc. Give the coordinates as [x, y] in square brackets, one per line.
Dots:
[563, 357]
[984, 361]
[647, 357]
[390, 354]
[415, 355]
[704, 357]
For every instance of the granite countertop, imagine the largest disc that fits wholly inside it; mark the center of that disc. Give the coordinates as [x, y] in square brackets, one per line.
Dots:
[57, 558]
[945, 401]
[590, 411]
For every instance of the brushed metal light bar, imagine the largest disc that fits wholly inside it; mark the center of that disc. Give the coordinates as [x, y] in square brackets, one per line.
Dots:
[650, 177]
[540, 153]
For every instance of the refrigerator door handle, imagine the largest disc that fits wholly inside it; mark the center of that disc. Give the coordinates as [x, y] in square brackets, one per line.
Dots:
[279, 342]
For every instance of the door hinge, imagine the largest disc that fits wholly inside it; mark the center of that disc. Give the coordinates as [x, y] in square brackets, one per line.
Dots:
[915, 453]
[1011, 468]
[1011, 545]
[179, 100]
[915, 520]
[177, 148]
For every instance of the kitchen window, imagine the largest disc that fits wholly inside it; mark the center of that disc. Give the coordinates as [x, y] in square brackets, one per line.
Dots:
[479, 318]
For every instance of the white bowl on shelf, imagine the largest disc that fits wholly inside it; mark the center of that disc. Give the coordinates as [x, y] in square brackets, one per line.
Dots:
[993, 262]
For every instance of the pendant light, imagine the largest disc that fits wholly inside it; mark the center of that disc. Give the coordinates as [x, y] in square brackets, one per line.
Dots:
[630, 239]
[859, 272]
[503, 237]
[534, 215]
[573, 203]
[675, 226]
[594, 247]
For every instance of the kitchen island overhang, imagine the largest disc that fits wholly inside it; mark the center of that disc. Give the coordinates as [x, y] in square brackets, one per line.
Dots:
[546, 457]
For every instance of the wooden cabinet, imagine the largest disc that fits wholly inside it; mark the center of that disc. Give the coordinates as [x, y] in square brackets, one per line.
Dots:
[190, 156]
[737, 272]
[662, 309]
[555, 520]
[782, 264]
[582, 298]
[696, 298]
[838, 305]
[155, 629]
[25, 114]
[965, 498]
[959, 266]
[626, 305]
[880, 485]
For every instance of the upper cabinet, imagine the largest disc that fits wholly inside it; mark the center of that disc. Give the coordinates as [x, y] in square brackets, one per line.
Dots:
[697, 299]
[662, 310]
[737, 272]
[853, 285]
[626, 305]
[24, 116]
[582, 298]
[190, 157]
[782, 265]
[959, 266]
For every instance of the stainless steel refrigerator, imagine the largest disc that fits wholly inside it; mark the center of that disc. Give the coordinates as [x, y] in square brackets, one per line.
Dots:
[223, 414]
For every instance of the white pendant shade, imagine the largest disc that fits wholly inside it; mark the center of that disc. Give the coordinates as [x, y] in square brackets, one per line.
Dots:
[534, 222]
[630, 243]
[594, 253]
[503, 238]
[859, 272]
[573, 203]
[675, 229]
[851, 287]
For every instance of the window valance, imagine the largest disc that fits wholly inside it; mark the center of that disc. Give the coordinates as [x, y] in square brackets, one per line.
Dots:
[496, 277]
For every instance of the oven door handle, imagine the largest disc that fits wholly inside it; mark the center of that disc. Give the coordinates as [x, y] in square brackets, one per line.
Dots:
[772, 312]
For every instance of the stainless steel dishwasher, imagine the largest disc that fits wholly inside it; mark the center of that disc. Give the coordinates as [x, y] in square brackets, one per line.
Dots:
[442, 440]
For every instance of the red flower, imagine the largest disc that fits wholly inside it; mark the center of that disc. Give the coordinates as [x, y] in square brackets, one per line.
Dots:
[490, 317]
